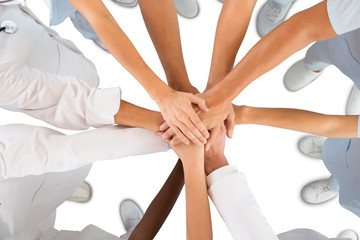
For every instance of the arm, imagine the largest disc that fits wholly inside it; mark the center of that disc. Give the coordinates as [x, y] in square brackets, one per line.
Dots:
[198, 219]
[300, 120]
[161, 206]
[174, 106]
[31, 150]
[294, 34]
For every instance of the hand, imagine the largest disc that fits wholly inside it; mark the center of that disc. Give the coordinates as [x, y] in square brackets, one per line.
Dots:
[176, 108]
[190, 154]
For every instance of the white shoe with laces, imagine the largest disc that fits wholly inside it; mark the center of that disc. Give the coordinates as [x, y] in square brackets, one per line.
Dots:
[299, 76]
[126, 3]
[311, 146]
[131, 214]
[270, 16]
[317, 192]
[187, 8]
[350, 234]
[353, 104]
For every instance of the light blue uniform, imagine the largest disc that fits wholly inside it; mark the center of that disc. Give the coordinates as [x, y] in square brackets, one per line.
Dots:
[305, 234]
[62, 9]
[342, 158]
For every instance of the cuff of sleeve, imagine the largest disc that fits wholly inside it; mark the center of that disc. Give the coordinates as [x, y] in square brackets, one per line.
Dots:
[220, 174]
[359, 126]
[102, 105]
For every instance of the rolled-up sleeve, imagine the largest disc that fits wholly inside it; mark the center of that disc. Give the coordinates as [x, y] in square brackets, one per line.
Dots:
[62, 101]
[344, 15]
[31, 150]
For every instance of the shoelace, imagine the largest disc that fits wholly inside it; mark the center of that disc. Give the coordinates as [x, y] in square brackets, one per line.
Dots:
[274, 13]
[326, 188]
[316, 147]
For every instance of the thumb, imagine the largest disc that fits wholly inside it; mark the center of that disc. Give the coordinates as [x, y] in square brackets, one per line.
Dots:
[213, 133]
[198, 101]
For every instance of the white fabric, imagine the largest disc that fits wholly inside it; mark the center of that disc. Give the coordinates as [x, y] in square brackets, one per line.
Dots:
[237, 206]
[43, 85]
[8, 3]
[344, 15]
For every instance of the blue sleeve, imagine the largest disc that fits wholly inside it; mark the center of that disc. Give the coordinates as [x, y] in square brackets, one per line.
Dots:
[344, 15]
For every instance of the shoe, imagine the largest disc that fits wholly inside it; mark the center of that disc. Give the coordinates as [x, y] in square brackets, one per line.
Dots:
[100, 44]
[270, 16]
[298, 76]
[130, 213]
[350, 234]
[126, 3]
[317, 192]
[311, 146]
[353, 104]
[187, 8]
[82, 194]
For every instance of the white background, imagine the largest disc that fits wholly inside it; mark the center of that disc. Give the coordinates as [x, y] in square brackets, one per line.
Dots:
[275, 169]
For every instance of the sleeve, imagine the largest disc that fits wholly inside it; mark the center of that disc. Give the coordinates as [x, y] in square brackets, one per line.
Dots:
[359, 126]
[237, 206]
[31, 150]
[344, 15]
[62, 101]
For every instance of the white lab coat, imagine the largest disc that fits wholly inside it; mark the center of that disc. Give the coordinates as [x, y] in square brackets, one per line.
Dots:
[47, 77]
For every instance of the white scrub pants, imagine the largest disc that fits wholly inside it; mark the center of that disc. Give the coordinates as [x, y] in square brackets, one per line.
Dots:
[237, 206]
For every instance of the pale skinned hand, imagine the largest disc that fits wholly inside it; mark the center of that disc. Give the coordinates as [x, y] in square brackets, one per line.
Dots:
[176, 109]
[190, 153]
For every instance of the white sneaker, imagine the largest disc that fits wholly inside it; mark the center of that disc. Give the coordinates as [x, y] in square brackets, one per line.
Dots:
[126, 3]
[187, 8]
[270, 16]
[317, 192]
[82, 194]
[311, 146]
[350, 234]
[100, 44]
[130, 213]
[298, 76]
[353, 104]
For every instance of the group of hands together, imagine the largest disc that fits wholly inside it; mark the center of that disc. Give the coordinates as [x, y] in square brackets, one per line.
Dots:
[194, 118]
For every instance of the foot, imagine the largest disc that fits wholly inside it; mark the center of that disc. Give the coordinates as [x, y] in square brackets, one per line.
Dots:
[126, 3]
[350, 234]
[311, 146]
[270, 16]
[298, 76]
[317, 192]
[187, 8]
[100, 44]
[82, 194]
[130, 213]
[353, 104]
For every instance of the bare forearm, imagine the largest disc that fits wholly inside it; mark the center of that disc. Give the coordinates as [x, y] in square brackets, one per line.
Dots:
[294, 34]
[161, 21]
[198, 219]
[134, 116]
[300, 120]
[119, 44]
[161, 206]
[230, 32]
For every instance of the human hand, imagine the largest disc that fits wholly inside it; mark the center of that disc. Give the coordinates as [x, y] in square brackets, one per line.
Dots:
[176, 108]
[190, 154]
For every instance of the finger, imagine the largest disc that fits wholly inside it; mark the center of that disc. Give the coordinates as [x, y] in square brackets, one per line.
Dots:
[188, 133]
[199, 124]
[199, 101]
[230, 125]
[180, 135]
[175, 141]
[169, 134]
[189, 124]
[164, 127]
[212, 138]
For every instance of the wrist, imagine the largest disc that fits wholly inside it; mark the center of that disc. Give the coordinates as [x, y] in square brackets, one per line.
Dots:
[184, 87]
[161, 93]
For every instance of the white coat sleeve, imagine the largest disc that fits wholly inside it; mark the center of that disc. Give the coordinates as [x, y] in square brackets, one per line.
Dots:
[62, 101]
[31, 150]
[237, 206]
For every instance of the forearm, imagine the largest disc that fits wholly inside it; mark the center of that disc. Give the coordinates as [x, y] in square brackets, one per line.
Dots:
[300, 120]
[198, 219]
[119, 45]
[230, 32]
[294, 34]
[134, 116]
[161, 206]
[161, 21]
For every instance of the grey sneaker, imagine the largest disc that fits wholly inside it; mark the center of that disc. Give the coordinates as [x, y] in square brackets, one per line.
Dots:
[350, 234]
[187, 8]
[131, 214]
[317, 192]
[82, 194]
[126, 3]
[270, 16]
[311, 146]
